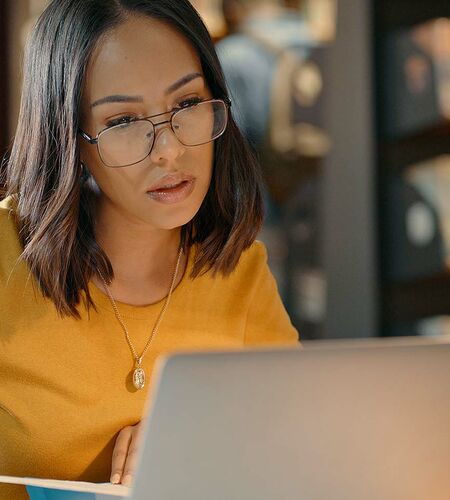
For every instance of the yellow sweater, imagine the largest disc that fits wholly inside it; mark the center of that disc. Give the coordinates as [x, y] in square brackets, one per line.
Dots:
[64, 394]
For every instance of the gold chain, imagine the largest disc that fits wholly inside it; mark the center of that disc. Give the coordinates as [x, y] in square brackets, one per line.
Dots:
[138, 374]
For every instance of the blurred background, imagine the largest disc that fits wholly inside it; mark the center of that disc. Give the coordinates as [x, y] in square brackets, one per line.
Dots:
[347, 105]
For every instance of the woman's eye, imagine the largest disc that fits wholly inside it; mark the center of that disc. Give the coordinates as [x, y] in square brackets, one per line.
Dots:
[189, 102]
[122, 120]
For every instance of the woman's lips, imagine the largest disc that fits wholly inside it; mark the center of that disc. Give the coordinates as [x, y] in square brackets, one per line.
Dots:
[175, 194]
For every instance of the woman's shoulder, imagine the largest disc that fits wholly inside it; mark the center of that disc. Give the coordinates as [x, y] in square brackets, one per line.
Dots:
[8, 220]
[256, 254]
[8, 207]
[250, 266]
[11, 247]
[252, 262]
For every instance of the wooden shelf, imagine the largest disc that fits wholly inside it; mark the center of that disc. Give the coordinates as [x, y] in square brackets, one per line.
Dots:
[395, 14]
[401, 153]
[415, 300]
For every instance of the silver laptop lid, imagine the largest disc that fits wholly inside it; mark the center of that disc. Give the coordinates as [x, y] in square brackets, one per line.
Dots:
[358, 421]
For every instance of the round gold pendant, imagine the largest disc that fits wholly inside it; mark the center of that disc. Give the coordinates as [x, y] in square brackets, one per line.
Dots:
[139, 378]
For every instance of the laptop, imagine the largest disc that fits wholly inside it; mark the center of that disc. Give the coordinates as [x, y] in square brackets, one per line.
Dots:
[345, 420]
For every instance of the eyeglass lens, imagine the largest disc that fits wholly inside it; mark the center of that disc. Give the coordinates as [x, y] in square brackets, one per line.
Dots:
[130, 143]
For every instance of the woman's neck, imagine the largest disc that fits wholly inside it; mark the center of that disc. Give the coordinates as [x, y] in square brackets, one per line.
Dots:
[143, 258]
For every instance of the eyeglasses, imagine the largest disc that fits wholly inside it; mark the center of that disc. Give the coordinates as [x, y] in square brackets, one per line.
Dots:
[130, 142]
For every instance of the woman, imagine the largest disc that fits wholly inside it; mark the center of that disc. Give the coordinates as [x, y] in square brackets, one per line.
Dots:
[128, 231]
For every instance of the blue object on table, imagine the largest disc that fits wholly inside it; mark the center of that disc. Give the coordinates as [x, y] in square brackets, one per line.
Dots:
[38, 493]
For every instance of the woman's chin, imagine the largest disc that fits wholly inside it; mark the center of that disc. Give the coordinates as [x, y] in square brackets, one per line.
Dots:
[174, 221]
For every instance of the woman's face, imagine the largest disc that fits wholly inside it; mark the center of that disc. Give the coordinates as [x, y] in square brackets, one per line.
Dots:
[142, 68]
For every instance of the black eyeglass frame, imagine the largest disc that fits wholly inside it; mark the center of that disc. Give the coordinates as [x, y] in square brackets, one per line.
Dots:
[94, 140]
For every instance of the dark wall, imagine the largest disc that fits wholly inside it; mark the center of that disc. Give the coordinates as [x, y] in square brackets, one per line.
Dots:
[4, 95]
[4, 79]
[3, 75]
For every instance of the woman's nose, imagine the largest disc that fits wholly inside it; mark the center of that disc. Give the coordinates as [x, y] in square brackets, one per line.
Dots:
[166, 147]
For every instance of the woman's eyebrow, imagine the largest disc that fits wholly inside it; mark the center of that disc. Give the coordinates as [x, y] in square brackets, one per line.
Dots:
[117, 98]
[182, 81]
[137, 98]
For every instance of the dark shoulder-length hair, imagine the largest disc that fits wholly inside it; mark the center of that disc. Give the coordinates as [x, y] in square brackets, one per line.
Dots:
[54, 211]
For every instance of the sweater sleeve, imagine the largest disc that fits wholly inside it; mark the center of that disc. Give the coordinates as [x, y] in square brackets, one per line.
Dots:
[267, 319]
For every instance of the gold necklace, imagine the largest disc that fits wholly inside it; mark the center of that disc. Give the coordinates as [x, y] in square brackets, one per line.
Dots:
[138, 372]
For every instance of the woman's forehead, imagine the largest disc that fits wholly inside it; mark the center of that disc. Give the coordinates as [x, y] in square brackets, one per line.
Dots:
[142, 53]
